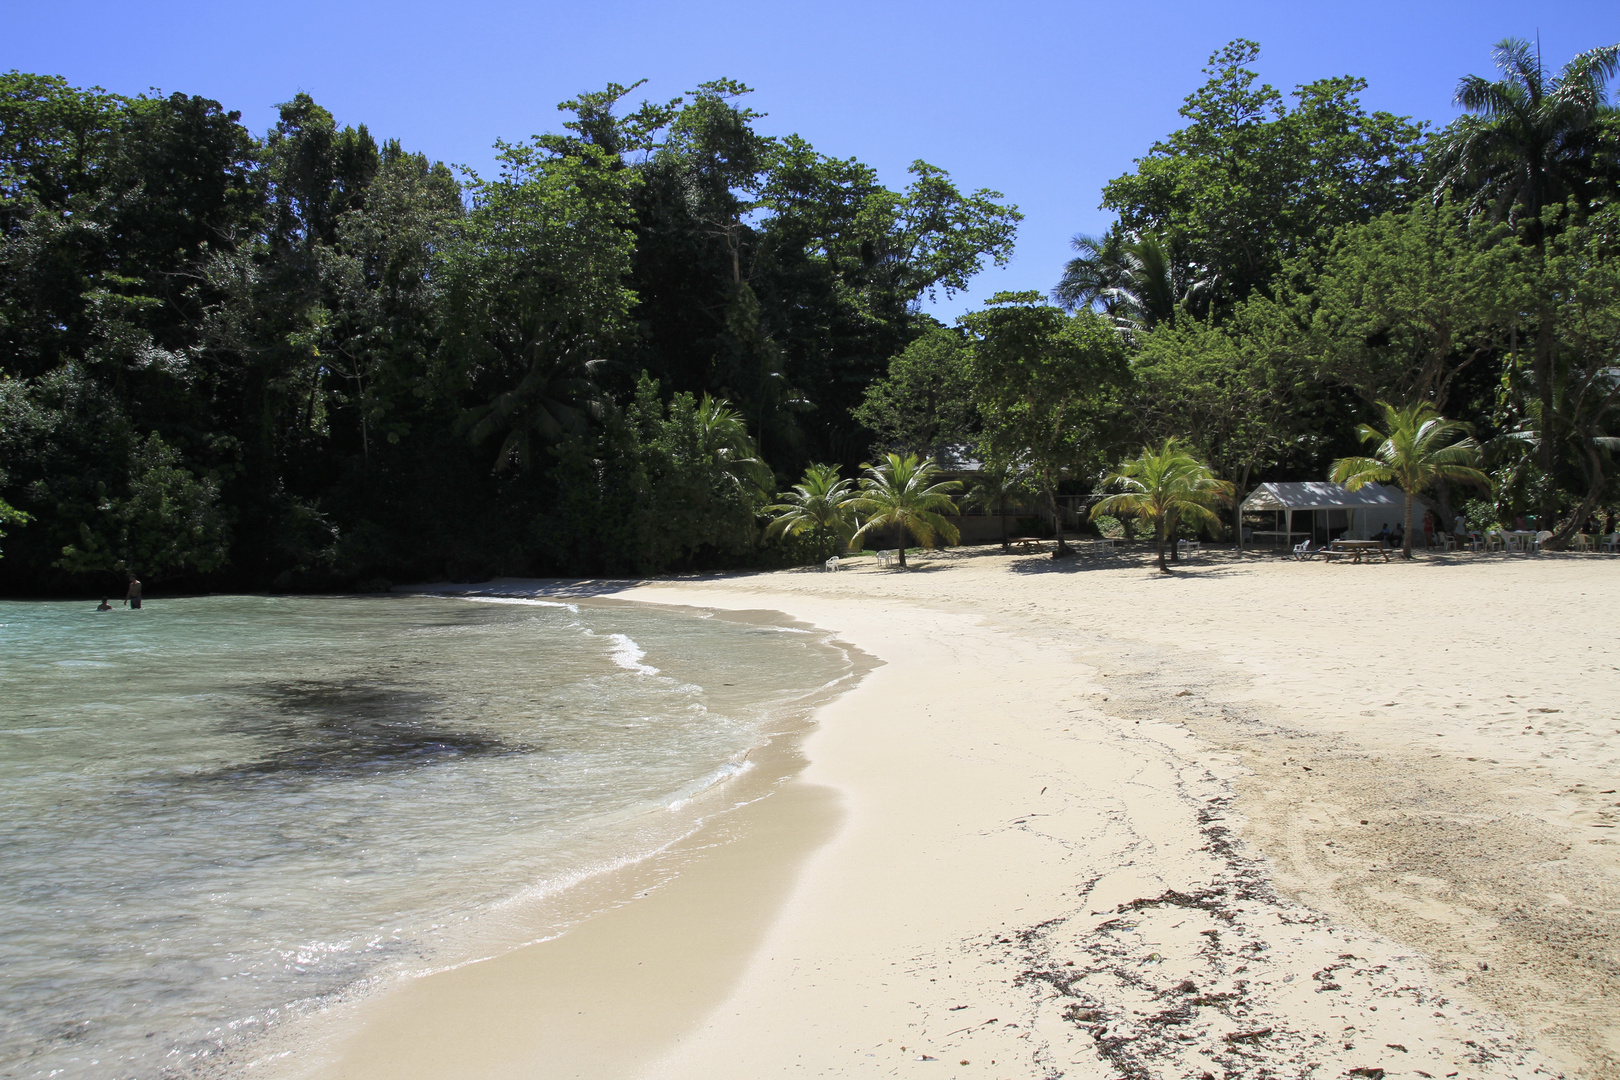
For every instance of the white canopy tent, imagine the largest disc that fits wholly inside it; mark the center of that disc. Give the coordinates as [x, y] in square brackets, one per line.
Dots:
[1334, 509]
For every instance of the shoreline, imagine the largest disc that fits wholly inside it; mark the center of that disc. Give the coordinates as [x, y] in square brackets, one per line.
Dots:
[546, 944]
[1032, 881]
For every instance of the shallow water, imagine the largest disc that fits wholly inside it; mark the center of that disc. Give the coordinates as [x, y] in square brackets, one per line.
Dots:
[216, 811]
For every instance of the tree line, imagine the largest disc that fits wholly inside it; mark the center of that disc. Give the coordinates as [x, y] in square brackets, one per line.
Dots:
[307, 359]
[311, 359]
[1282, 272]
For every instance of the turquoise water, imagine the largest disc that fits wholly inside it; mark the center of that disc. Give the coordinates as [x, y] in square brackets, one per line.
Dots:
[217, 812]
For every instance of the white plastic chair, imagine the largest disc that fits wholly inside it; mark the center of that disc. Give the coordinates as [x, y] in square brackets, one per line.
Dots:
[832, 563]
[1541, 538]
[1302, 550]
[885, 557]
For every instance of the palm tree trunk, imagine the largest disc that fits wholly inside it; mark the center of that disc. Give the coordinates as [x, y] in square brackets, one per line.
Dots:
[900, 541]
[1237, 511]
[1006, 545]
[1159, 535]
[1406, 540]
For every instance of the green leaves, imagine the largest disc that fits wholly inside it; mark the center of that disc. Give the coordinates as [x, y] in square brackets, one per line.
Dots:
[926, 401]
[901, 492]
[1249, 183]
[1165, 486]
[166, 521]
[820, 504]
[1417, 449]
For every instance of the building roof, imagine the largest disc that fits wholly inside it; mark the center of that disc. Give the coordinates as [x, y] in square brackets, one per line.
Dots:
[1320, 495]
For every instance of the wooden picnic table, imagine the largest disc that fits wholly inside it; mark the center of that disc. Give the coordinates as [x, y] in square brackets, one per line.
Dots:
[1354, 550]
[1027, 544]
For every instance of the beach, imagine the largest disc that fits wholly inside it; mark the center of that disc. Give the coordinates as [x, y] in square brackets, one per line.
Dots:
[1082, 819]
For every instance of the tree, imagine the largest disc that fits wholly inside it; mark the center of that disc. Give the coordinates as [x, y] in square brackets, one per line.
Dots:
[1582, 274]
[538, 291]
[1420, 448]
[901, 492]
[1165, 486]
[1043, 379]
[1231, 391]
[1529, 145]
[820, 505]
[1249, 183]
[994, 487]
[10, 515]
[1529, 142]
[1135, 280]
[167, 521]
[925, 403]
[1401, 306]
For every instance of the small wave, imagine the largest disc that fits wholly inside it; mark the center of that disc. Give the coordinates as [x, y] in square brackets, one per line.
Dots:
[627, 654]
[725, 772]
[81, 663]
[527, 600]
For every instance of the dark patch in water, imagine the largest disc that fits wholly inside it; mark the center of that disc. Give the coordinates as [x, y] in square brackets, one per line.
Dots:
[352, 727]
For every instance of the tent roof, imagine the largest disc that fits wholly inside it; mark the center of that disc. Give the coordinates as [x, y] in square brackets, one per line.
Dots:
[1320, 495]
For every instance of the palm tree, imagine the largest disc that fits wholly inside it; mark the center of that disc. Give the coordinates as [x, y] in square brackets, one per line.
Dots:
[1530, 142]
[820, 504]
[1421, 448]
[901, 492]
[994, 488]
[723, 437]
[553, 399]
[1165, 486]
[1133, 278]
[1094, 277]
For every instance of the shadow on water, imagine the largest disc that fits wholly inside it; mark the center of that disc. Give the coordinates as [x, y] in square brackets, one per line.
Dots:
[333, 728]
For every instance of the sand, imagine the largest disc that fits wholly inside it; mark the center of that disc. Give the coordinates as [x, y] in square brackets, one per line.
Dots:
[1257, 818]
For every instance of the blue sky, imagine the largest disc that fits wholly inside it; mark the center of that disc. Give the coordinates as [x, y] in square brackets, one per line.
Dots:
[1043, 101]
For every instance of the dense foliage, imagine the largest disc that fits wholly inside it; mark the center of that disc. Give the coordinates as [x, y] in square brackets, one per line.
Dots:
[1278, 274]
[308, 359]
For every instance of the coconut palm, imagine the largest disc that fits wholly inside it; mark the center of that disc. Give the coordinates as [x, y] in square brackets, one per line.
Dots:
[556, 397]
[1133, 278]
[994, 488]
[902, 492]
[1165, 487]
[1421, 448]
[723, 437]
[1531, 142]
[820, 504]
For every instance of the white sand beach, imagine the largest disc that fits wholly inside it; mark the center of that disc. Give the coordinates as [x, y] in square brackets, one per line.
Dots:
[1255, 818]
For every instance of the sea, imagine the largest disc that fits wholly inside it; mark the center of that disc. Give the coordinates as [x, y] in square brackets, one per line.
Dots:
[219, 814]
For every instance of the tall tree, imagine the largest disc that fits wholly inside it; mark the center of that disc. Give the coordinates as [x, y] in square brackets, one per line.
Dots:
[1044, 379]
[925, 403]
[1529, 144]
[1250, 182]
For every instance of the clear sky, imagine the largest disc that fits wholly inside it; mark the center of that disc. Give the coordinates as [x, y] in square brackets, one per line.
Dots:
[1043, 101]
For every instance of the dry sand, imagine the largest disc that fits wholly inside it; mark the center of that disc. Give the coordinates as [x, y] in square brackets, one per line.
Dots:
[1257, 818]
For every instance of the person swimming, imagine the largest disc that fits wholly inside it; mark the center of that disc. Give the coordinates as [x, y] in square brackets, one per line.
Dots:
[104, 605]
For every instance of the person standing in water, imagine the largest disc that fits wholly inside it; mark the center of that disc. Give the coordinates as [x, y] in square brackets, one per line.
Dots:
[104, 605]
[133, 596]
